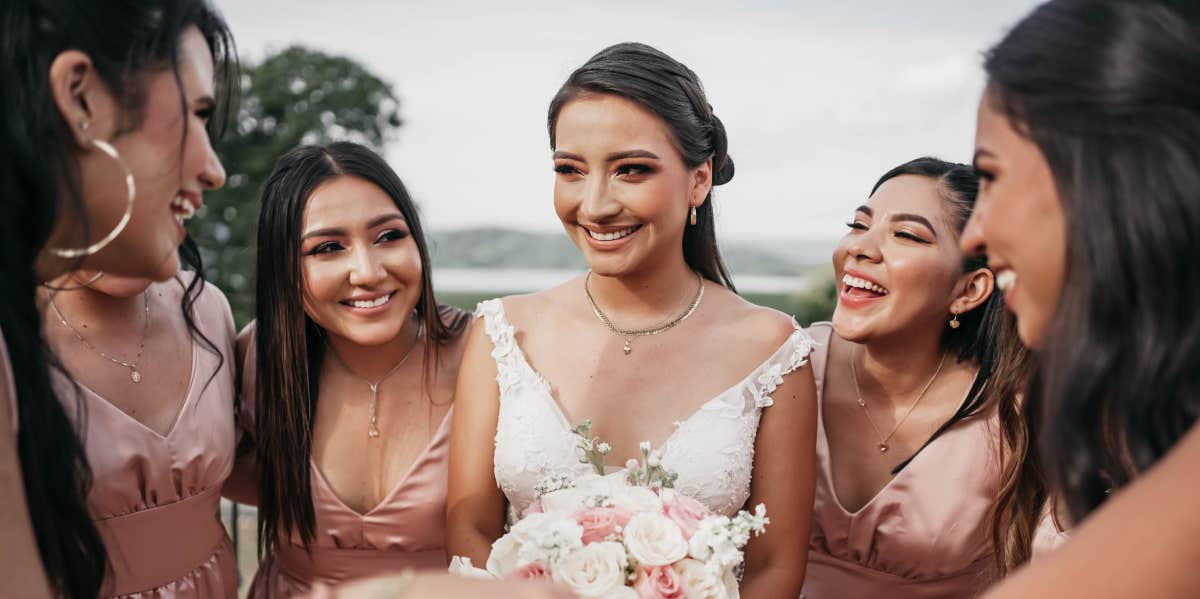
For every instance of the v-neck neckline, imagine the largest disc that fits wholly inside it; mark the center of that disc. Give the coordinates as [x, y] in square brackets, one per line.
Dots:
[417, 462]
[187, 400]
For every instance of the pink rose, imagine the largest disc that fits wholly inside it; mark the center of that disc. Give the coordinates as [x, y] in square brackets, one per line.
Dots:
[533, 508]
[684, 511]
[600, 522]
[659, 582]
[530, 571]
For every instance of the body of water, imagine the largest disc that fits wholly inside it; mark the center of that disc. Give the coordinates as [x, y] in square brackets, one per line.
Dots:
[503, 281]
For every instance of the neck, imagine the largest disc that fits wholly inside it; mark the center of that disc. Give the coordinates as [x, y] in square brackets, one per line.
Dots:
[646, 297]
[896, 370]
[375, 362]
[94, 313]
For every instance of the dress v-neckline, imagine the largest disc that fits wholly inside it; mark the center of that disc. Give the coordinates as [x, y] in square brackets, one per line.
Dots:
[548, 393]
[187, 400]
[417, 462]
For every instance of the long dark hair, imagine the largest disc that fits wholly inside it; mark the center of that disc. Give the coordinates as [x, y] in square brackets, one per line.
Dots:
[290, 346]
[37, 170]
[672, 91]
[1108, 92]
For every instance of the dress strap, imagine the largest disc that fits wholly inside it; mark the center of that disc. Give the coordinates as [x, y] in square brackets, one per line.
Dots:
[792, 355]
[511, 367]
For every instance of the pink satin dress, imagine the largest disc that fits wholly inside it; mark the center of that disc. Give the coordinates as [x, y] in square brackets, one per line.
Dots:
[407, 530]
[924, 535]
[156, 498]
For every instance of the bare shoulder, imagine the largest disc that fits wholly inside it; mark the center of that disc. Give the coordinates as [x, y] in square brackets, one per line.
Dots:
[759, 327]
[548, 304]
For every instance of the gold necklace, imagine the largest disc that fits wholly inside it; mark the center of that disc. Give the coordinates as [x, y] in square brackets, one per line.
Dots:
[883, 441]
[134, 374]
[630, 334]
[373, 429]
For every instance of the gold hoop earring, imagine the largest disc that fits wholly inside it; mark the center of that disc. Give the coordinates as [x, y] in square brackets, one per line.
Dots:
[87, 283]
[111, 152]
[692, 218]
[954, 323]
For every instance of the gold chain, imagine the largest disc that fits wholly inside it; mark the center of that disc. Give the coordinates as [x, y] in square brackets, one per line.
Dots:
[134, 374]
[630, 334]
[883, 441]
[373, 420]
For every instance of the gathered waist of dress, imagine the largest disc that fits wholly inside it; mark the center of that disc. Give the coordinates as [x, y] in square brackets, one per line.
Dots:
[333, 565]
[828, 577]
[153, 547]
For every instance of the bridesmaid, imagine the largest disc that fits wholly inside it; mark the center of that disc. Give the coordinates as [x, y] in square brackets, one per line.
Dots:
[157, 387]
[106, 151]
[911, 376]
[1088, 145]
[348, 377]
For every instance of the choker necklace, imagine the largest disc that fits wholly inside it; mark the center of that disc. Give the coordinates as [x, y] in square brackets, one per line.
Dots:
[883, 441]
[630, 334]
[373, 429]
[135, 375]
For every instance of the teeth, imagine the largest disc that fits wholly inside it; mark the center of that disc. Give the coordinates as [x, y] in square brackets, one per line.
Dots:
[375, 303]
[863, 284]
[184, 207]
[1005, 279]
[613, 236]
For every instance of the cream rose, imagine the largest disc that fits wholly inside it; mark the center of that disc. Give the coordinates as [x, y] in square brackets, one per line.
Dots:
[636, 499]
[699, 582]
[595, 571]
[654, 540]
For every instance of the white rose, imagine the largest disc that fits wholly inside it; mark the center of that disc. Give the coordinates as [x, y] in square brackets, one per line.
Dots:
[536, 538]
[564, 500]
[636, 499]
[654, 540]
[503, 558]
[622, 593]
[595, 571]
[699, 582]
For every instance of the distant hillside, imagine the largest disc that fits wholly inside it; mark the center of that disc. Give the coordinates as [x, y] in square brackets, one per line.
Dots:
[511, 248]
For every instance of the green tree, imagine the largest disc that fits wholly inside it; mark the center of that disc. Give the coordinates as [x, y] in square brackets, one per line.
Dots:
[292, 97]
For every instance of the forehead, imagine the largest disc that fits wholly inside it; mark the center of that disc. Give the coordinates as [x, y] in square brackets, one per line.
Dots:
[909, 194]
[345, 202]
[606, 122]
[195, 63]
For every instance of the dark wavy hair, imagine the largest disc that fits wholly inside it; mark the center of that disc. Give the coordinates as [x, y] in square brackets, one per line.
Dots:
[673, 92]
[291, 347]
[1108, 91]
[124, 41]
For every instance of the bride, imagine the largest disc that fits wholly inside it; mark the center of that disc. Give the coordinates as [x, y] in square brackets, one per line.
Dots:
[652, 344]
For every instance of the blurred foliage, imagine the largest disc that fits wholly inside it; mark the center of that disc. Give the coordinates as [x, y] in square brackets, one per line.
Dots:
[292, 97]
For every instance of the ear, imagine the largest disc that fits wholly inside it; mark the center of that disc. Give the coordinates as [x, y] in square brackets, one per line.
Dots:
[83, 100]
[976, 287]
[701, 182]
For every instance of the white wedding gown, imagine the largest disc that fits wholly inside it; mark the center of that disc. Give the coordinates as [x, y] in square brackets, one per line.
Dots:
[712, 450]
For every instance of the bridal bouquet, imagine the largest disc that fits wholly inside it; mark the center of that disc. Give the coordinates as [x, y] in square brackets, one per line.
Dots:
[622, 535]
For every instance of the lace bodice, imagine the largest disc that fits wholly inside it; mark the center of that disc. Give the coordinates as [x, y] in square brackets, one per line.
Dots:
[712, 450]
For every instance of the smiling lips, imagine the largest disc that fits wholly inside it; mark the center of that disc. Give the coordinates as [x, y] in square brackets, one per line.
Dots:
[612, 235]
[184, 208]
[368, 303]
[862, 288]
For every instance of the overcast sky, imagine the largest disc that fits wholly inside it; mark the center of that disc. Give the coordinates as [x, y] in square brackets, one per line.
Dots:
[819, 98]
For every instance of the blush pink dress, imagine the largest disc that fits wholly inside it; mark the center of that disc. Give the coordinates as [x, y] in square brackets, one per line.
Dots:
[156, 498]
[924, 535]
[407, 530]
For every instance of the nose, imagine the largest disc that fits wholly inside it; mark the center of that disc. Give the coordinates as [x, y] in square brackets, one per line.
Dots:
[598, 203]
[973, 242]
[213, 175]
[366, 270]
[865, 246]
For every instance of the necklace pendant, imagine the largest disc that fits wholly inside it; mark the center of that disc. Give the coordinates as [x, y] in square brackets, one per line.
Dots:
[135, 376]
[373, 432]
[627, 349]
[883, 447]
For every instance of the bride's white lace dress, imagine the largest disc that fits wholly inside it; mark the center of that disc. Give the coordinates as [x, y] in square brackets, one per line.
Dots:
[712, 450]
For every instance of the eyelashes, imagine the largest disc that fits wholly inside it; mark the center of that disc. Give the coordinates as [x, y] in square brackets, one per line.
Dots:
[327, 247]
[624, 170]
[857, 226]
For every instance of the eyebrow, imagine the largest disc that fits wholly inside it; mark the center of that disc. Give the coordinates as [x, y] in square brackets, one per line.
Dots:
[980, 153]
[615, 156]
[371, 224]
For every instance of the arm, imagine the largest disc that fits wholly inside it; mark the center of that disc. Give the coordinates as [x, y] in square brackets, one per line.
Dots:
[783, 479]
[1144, 542]
[242, 484]
[21, 573]
[474, 503]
